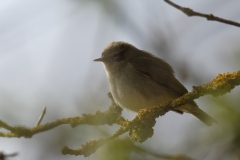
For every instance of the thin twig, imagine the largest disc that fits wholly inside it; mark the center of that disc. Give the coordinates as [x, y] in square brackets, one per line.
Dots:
[4, 156]
[111, 116]
[189, 12]
[41, 116]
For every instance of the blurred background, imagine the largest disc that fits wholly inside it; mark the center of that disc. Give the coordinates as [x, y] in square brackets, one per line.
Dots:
[46, 59]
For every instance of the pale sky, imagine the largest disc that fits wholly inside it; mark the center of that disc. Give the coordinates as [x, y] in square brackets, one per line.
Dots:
[46, 59]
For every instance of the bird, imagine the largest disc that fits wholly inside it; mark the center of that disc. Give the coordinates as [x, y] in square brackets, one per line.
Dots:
[139, 79]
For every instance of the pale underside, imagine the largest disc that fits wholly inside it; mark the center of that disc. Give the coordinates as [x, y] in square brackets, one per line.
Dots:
[132, 91]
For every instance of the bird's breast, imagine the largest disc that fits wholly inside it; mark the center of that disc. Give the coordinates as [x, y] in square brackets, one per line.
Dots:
[126, 96]
[132, 91]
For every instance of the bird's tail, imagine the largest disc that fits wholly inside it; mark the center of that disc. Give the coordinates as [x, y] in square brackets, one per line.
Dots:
[193, 109]
[202, 116]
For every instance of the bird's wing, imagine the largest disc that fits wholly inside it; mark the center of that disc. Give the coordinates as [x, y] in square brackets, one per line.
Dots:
[159, 71]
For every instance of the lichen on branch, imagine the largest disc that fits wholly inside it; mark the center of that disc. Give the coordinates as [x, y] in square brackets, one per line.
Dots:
[140, 128]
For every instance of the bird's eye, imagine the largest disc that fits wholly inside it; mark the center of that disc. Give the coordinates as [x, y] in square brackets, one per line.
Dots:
[116, 55]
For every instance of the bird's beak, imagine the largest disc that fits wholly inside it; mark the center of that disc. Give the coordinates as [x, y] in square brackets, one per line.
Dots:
[98, 60]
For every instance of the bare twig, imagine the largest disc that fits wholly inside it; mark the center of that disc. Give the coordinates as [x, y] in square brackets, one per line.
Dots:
[41, 116]
[189, 12]
[111, 116]
[4, 156]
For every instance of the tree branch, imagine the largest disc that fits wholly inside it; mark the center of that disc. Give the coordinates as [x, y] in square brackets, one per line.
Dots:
[111, 116]
[141, 127]
[189, 12]
[5, 156]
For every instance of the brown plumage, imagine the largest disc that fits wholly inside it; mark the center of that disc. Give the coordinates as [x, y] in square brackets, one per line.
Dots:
[138, 79]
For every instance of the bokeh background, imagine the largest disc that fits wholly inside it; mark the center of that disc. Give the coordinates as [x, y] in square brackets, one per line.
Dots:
[46, 59]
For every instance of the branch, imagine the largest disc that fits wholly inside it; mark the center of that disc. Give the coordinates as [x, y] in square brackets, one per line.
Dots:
[189, 12]
[141, 127]
[111, 116]
[41, 116]
[5, 156]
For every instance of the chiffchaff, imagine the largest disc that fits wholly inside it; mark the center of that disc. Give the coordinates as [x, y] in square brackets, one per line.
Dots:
[138, 79]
